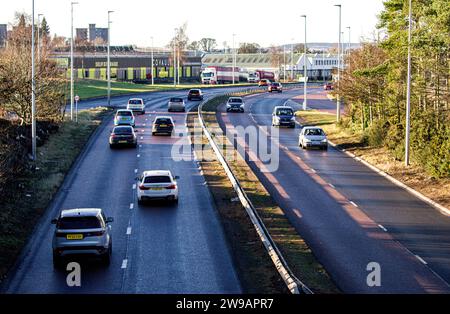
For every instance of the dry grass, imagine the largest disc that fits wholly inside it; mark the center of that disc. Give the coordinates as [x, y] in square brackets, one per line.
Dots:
[414, 176]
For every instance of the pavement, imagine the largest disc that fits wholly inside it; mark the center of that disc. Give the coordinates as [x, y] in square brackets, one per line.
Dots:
[349, 215]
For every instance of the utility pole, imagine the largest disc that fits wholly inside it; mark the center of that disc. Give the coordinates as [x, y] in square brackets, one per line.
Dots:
[175, 59]
[305, 71]
[71, 60]
[234, 61]
[408, 89]
[178, 65]
[108, 71]
[33, 91]
[153, 79]
[284, 63]
[338, 97]
[292, 59]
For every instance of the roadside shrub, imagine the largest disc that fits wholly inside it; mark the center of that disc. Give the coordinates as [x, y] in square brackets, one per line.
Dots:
[395, 140]
[376, 133]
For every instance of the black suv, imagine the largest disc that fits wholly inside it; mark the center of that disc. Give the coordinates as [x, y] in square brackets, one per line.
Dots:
[195, 94]
[163, 125]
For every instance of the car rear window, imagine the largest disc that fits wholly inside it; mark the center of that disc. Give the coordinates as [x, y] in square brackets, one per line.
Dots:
[285, 112]
[315, 132]
[124, 114]
[163, 121]
[236, 100]
[157, 179]
[135, 102]
[194, 91]
[79, 223]
[123, 131]
[176, 100]
[275, 84]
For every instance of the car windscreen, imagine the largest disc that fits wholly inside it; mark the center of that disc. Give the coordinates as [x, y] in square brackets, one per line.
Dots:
[124, 114]
[79, 223]
[285, 112]
[314, 132]
[158, 179]
[176, 100]
[276, 84]
[209, 74]
[163, 121]
[237, 100]
[123, 131]
[135, 102]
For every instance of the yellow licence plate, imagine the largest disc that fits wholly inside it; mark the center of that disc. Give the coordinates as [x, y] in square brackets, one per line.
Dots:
[74, 237]
[157, 189]
[163, 125]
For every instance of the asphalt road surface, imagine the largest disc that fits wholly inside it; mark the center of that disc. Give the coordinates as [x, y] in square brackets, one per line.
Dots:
[157, 248]
[349, 215]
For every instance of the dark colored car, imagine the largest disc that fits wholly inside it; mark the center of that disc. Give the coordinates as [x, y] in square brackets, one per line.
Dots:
[275, 87]
[123, 135]
[163, 125]
[195, 94]
[328, 86]
[283, 116]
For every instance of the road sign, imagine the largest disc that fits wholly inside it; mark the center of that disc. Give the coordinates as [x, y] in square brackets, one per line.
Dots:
[77, 98]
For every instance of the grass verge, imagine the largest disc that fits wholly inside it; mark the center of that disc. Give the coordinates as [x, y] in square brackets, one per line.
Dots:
[294, 249]
[413, 176]
[97, 88]
[34, 190]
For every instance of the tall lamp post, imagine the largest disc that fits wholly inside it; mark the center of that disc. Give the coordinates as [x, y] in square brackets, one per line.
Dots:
[292, 59]
[39, 39]
[153, 79]
[338, 97]
[408, 88]
[33, 91]
[71, 59]
[234, 58]
[305, 73]
[109, 58]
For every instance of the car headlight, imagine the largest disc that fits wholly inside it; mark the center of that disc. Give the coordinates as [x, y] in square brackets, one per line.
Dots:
[277, 118]
[307, 140]
[228, 105]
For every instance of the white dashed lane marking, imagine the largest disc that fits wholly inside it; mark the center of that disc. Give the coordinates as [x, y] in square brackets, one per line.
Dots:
[382, 228]
[421, 259]
[124, 264]
[131, 206]
[353, 203]
[128, 230]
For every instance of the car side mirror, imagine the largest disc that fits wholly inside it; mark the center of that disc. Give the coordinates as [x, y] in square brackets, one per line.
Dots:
[109, 219]
[54, 221]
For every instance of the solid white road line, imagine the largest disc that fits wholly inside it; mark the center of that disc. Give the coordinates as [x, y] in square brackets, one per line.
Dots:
[421, 260]
[124, 264]
[382, 228]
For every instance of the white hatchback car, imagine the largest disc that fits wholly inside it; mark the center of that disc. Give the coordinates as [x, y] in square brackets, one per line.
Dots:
[313, 137]
[137, 105]
[176, 104]
[157, 185]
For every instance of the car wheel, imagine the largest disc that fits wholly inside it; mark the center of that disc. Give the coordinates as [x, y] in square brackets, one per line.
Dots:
[325, 148]
[106, 258]
[153, 133]
[111, 146]
[140, 202]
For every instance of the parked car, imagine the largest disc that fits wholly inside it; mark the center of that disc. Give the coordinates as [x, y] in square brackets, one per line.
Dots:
[124, 117]
[196, 94]
[84, 231]
[163, 125]
[136, 105]
[328, 86]
[123, 135]
[176, 104]
[263, 82]
[312, 137]
[275, 87]
[235, 104]
[283, 116]
[157, 184]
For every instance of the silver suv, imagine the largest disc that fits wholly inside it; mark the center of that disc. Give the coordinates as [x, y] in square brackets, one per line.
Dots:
[84, 231]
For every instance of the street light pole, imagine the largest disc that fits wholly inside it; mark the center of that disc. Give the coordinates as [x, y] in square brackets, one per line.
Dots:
[408, 88]
[234, 53]
[305, 71]
[284, 63]
[175, 59]
[153, 79]
[108, 71]
[33, 91]
[71, 60]
[338, 98]
[292, 59]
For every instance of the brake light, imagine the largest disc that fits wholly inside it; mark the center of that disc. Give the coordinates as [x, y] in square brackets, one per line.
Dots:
[171, 187]
[143, 188]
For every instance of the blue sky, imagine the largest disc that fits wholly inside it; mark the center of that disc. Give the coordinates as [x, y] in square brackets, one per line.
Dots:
[265, 21]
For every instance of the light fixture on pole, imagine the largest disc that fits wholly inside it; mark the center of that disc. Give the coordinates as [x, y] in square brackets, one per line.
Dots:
[153, 79]
[108, 71]
[305, 71]
[408, 88]
[33, 91]
[338, 98]
[71, 60]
